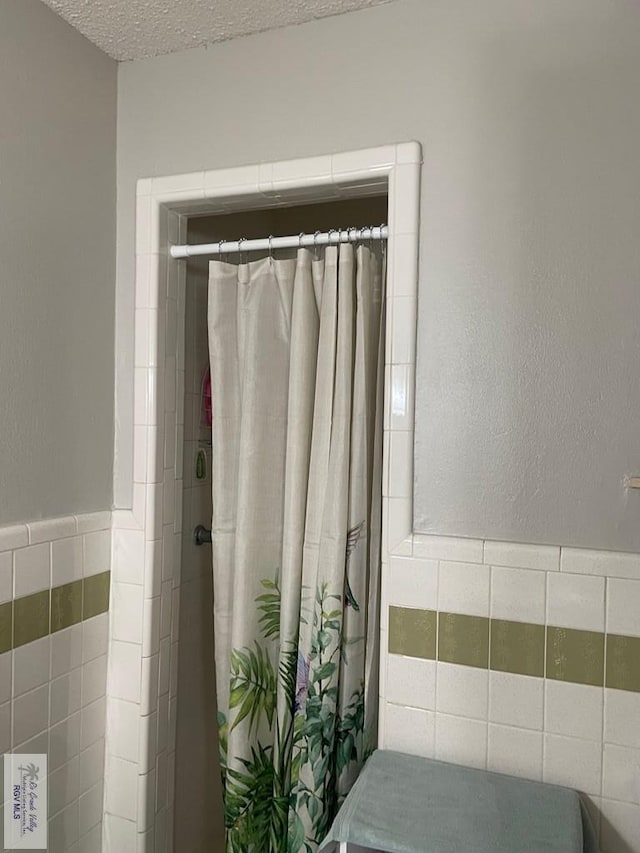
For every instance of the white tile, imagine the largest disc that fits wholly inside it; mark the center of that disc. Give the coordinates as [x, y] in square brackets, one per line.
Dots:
[404, 184]
[92, 841]
[622, 717]
[516, 700]
[65, 696]
[123, 726]
[6, 576]
[544, 558]
[126, 617]
[30, 714]
[462, 691]
[411, 681]
[517, 752]
[92, 722]
[164, 666]
[573, 709]
[163, 722]
[621, 774]
[13, 536]
[604, 563]
[151, 627]
[124, 671]
[90, 522]
[161, 781]
[49, 529]
[400, 464]
[146, 800]
[91, 766]
[31, 569]
[461, 741]
[463, 588]
[448, 548]
[64, 741]
[128, 556]
[409, 730]
[63, 829]
[403, 329]
[66, 650]
[31, 665]
[401, 397]
[623, 607]
[620, 827]
[167, 552]
[572, 762]
[518, 595]
[122, 787]
[66, 560]
[148, 742]
[97, 552]
[34, 746]
[5, 727]
[165, 609]
[120, 834]
[94, 680]
[402, 275]
[63, 786]
[152, 568]
[177, 183]
[95, 636]
[149, 685]
[6, 662]
[90, 808]
[575, 601]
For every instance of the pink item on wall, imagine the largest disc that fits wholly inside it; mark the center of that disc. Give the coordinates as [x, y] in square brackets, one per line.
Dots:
[206, 398]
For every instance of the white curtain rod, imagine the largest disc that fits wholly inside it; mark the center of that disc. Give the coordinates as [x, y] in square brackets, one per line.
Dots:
[341, 235]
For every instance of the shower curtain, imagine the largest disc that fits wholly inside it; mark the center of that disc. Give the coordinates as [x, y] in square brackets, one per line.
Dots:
[296, 349]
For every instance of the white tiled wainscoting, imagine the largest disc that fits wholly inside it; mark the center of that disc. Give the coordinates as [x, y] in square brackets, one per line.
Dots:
[546, 726]
[54, 586]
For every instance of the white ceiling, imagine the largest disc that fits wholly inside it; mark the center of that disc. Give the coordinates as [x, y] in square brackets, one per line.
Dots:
[133, 29]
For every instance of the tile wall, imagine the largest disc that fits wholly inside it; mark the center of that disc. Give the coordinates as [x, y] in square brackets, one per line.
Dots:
[520, 659]
[54, 602]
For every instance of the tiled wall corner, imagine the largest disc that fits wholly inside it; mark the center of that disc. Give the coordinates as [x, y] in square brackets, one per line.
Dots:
[526, 660]
[54, 622]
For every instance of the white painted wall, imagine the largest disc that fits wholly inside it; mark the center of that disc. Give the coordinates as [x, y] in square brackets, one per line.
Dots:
[57, 241]
[529, 342]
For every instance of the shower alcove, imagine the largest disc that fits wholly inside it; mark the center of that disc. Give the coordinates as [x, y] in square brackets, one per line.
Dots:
[162, 782]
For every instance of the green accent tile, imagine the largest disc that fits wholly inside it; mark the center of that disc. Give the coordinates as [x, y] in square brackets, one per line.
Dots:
[576, 656]
[517, 647]
[463, 639]
[95, 595]
[30, 618]
[6, 614]
[623, 662]
[412, 632]
[66, 605]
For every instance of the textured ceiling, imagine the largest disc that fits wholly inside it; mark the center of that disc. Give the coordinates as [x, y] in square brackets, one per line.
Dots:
[133, 29]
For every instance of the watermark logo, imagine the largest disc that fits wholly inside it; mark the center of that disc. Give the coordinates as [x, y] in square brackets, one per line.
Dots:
[25, 801]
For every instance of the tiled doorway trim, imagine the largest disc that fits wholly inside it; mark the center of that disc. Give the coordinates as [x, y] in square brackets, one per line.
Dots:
[142, 684]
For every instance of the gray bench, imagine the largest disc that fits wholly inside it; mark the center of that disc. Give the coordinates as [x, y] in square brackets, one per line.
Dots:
[406, 804]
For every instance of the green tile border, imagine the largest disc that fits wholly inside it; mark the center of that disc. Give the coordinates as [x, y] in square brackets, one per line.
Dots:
[576, 656]
[412, 632]
[623, 663]
[522, 648]
[517, 647]
[463, 639]
[32, 617]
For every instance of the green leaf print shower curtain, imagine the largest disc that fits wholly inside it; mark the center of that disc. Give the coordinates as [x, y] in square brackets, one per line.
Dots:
[296, 348]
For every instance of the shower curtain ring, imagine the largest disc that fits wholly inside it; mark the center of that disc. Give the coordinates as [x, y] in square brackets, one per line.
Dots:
[220, 242]
[300, 236]
[271, 247]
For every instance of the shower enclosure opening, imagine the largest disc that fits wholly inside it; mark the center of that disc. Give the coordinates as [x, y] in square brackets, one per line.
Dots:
[199, 814]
